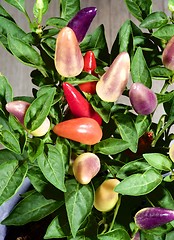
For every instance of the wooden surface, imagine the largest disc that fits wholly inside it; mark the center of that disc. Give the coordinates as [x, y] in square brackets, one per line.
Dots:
[112, 13]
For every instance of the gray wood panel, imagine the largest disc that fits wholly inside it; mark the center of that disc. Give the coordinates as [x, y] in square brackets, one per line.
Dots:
[111, 13]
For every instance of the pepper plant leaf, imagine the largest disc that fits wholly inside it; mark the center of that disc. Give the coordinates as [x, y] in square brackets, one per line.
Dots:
[139, 184]
[118, 233]
[158, 161]
[69, 8]
[12, 175]
[79, 202]
[25, 212]
[140, 9]
[52, 166]
[19, 4]
[139, 69]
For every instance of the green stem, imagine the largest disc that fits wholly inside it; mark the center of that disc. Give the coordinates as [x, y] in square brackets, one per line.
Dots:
[115, 213]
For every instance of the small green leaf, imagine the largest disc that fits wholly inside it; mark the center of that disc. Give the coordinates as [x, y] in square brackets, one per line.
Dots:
[25, 212]
[142, 124]
[35, 148]
[56, 22]
[165, 32]
[6, 94]
[127, 130]
[139, 184]
[9, 140]
[119, 234]
[5, 14]
[39, 110]
[40, 8]
[111, 146]
[52, 166]
[139, 69]
[59, 227]
[19, 4]
[12, 175]
[158, 161]
[166, 97]
[24, 52]
[133, 167]
[79, 202]
[159, 72]
[124, 40]
[69, 8]
[139, 8]
[154, 20]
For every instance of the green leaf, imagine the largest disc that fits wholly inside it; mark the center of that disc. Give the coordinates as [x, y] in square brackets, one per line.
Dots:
[133, 167]
[69, 9]
[9, 27]
[19, 4]
[160, 73]
[40, 8]
[158, 161]
[127, 130]
[139, 69]
[139, 184]
[39, 110]
[52, 166]
[139, 8]
[12, 175]
[35, 148]
[142, 124]
[124, 40]
[24, 52]
[7, 155]
[154, 20]
[56, 22]
[119, 234]
[59, 226]
[25, 212]
[111, 146]
[5, 14]
[9, 140]
[6, 94]
[43, 186]
[98, 42]
[165, 32]
[166, 97]
[79, 202]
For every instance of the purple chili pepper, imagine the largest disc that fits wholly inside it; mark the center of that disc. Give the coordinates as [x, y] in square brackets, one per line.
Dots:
[152, 217]
[80, 23]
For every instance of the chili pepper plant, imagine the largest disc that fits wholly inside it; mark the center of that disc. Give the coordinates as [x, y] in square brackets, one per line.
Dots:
[99, 168]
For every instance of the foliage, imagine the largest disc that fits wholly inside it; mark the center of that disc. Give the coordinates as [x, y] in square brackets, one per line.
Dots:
[146, 177]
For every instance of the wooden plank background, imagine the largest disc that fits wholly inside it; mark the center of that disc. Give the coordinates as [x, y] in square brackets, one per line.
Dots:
[112, 13]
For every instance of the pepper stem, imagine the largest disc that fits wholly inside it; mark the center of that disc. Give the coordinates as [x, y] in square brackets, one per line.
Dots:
[115, 212]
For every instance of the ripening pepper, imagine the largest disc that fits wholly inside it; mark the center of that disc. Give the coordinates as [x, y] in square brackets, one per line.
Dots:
[85, 167]
[113, 82]
[84, 130]
[18, 109]
[167, 56]
[78, 104]
[143, 99]
[105, 196]
[171, 152]
[89, 67]
[68, 57]
[81, 22]
[152, 217]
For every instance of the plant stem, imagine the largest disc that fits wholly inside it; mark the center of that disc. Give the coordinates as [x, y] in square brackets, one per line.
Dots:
[115, 212]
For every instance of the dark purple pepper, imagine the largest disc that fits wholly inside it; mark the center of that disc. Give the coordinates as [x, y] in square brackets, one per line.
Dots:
[80, 23]
[143, 99]
[152, 217]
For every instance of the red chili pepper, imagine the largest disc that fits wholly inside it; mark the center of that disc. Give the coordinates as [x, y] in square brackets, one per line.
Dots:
[84, 130]
[89, 66]
[79, 105]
